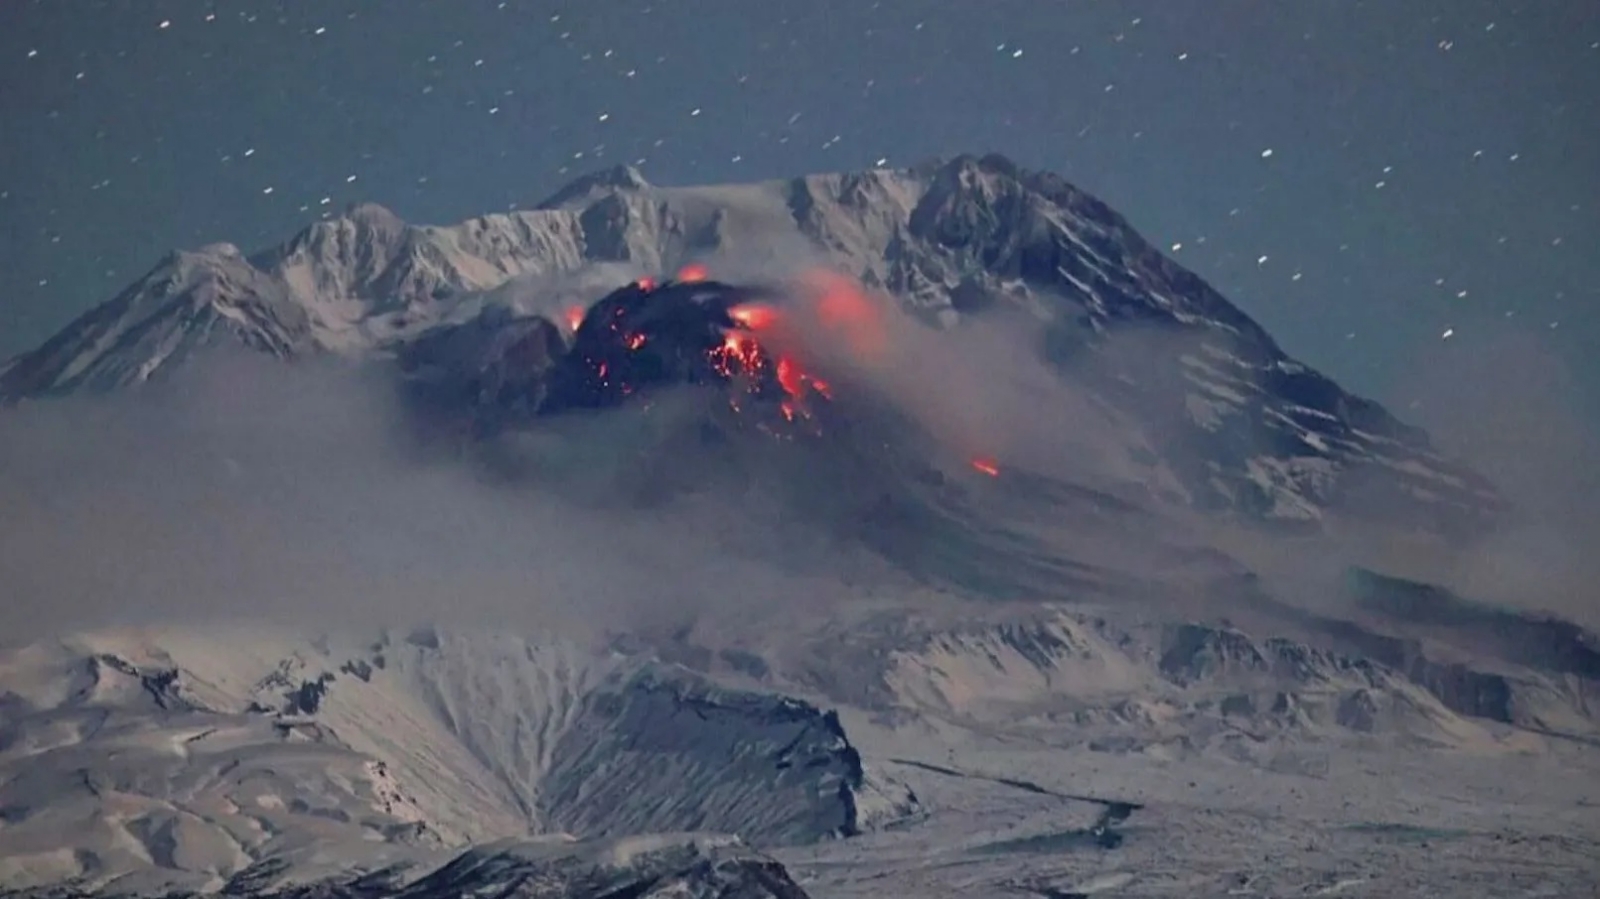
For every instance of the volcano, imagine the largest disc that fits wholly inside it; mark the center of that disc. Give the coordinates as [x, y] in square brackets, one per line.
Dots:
[947, 530]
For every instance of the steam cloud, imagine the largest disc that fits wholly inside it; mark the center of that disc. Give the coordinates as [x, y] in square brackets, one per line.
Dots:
[288, 494]
[1507, 404]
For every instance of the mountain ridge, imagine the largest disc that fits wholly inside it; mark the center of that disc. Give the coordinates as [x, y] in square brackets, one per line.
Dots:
[1250, 428]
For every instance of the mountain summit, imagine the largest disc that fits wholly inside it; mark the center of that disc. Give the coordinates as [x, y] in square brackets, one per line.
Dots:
[1229, 419]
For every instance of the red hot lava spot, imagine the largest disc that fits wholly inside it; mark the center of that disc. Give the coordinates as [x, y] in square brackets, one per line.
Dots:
[986, 466]
[754, 316]
[790, 378]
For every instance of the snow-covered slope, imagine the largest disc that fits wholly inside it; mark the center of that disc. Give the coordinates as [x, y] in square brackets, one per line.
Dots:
[192, 759]
[1234, 680]
[188, 303]
[997, 746]
[1173, 378]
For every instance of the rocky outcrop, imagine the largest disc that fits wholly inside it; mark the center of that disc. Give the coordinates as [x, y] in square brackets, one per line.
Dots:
[774, 769]
[1540, 642]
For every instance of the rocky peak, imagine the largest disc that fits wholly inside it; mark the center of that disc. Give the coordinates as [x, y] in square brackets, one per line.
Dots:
[221, 248]
[617, 178]
[181, 307]
[374, 216]
[342, 257]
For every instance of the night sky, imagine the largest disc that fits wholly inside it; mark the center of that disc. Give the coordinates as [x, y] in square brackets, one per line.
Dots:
[1381, 184]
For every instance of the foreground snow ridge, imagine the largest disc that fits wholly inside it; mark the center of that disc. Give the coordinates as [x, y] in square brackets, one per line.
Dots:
[654, 867]
[209, 761]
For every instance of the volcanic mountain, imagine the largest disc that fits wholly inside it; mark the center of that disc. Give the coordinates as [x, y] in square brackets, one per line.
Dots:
[1167, 378]
[891, 533]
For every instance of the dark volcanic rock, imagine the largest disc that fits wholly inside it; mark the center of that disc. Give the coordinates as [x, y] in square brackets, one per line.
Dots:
[503, 369]
[783, 770]
[496, 364]
[641, 868]
[645, 335]
[1538, 642]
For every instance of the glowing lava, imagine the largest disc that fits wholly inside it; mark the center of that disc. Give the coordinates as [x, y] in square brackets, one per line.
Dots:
[693, 273]
[795, 381]
[986, 466]
[755, 316]
[790, 377]
[574, 317]
[645, 283]
[738, 354]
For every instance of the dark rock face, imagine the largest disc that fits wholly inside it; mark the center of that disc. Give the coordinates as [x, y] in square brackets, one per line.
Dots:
[1525, 671]
[706, 869]
[754, 747]
[495, 364]
[657, 867]
[1540, 643]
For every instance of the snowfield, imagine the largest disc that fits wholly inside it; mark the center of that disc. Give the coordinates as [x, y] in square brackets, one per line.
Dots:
[1020, 749]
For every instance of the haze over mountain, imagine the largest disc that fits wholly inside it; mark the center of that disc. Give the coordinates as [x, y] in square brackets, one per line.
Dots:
[1065, 538]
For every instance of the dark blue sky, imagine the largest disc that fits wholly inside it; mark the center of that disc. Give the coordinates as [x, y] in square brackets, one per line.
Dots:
[1361, 177]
